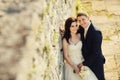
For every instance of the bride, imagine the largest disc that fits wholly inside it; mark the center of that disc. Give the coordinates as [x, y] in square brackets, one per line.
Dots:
[72, 53]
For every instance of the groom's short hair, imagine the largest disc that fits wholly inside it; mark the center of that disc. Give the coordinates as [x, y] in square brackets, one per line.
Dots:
[82, 14]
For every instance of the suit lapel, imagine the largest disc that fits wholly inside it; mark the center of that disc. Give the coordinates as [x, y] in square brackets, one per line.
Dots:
[89, 31]
[81, 31]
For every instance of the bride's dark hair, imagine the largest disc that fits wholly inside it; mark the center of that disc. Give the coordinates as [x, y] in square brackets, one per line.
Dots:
[68, 23]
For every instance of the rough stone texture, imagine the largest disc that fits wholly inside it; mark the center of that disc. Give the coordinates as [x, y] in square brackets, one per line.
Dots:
[29, 38]
[30, 42]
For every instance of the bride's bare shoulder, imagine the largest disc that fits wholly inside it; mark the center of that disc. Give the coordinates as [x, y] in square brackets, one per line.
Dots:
[64, 41]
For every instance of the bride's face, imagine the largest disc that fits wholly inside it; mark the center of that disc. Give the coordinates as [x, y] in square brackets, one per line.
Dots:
[73, 27]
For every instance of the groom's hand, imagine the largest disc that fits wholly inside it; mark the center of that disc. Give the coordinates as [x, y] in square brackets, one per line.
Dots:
[79, 66]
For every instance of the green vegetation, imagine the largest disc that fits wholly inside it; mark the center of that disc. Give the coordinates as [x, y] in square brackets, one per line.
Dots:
[46, 74]
[78, 6]
[46, 48]
[107, 38]
[55, 38]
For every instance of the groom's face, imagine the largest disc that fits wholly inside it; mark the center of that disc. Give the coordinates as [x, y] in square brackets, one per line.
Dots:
[83, 21]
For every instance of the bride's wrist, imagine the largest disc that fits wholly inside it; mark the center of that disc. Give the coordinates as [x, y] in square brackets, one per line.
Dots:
[74, 67]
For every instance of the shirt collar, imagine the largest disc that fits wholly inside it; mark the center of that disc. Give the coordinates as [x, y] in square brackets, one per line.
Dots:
[87, 27]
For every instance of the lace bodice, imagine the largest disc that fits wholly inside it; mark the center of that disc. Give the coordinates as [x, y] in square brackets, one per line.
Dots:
[75, 53]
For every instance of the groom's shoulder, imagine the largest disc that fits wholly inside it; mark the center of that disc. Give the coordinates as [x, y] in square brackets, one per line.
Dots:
[96, 29]
[80, 30]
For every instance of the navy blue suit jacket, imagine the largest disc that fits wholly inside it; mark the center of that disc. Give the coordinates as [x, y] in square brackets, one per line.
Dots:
[91, 51]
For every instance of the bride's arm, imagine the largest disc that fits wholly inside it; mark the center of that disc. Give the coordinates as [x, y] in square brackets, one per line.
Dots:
[66, 57]
[80, 64]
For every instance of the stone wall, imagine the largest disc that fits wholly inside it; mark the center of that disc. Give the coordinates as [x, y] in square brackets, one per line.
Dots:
[29, 38]
[30, 42]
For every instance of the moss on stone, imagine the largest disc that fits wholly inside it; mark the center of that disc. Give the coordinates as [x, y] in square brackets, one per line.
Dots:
[47, 74]
[55, 38]
[107, 38]
[46, 49]
[78, 7]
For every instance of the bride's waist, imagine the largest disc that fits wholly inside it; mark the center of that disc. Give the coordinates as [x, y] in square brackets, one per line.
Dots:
[78, 57]
[77, 60]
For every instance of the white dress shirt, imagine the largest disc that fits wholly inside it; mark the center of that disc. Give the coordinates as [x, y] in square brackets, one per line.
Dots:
[86, 29]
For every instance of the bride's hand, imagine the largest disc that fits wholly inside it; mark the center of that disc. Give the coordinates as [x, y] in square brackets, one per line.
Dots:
[76, 70]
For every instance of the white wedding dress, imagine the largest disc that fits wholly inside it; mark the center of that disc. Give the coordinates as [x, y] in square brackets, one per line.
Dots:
[76, 56]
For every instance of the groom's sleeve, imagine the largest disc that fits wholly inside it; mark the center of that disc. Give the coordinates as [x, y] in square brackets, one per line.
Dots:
[95, 51]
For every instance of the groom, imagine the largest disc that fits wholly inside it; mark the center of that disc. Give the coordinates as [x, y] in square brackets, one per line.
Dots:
[91, 49]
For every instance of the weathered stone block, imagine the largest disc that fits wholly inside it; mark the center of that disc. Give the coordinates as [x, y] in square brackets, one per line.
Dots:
[112, 75]
[110, 64]
[98, 5]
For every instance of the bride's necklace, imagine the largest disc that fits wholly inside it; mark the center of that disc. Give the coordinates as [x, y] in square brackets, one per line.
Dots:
[74, 41]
